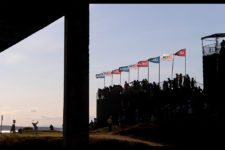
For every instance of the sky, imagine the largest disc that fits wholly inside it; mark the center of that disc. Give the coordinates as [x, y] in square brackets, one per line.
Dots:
[120, 34]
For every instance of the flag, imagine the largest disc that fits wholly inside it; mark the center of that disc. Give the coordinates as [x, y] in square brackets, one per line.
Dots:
[181, 52]
[100, 75]
[108, 73]
[167, 57]
[134, 66]
[117, 71]
[154, 60]
[143, 63]
[124, 69]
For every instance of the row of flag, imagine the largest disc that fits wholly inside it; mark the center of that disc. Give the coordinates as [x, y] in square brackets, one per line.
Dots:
[144, 63]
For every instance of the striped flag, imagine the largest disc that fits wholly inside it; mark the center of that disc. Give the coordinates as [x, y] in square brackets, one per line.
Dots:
[124, 69]
[167, 57]
[100, 75]
[108, 73]
[117, 71]
[143, 63]
[155, 59]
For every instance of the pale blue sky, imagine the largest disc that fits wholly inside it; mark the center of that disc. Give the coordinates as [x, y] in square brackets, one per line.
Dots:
[32, 71]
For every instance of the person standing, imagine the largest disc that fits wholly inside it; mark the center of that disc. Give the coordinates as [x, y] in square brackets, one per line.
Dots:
[51, 127]
[13, 128]
[109, 122]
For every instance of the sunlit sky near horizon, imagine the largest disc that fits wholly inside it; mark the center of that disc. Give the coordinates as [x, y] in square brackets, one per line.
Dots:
[32, 70]
[32, 78]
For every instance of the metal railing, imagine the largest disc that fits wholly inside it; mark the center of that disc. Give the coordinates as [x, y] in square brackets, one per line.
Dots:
[211, 49]
[198, 84]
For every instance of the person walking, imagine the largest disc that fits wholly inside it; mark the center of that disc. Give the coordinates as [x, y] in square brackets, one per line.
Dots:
[13, 128]
[109, 122]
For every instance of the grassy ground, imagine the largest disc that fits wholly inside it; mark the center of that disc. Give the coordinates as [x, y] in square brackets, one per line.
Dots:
[139, 136]
[43, 138]
[99, 138]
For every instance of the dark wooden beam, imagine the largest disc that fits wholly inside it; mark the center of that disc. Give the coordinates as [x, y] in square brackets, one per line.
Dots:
[76, 77]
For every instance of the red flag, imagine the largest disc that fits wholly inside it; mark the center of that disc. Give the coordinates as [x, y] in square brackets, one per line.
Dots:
[181, 52]
[117, 71]
[108, 73]
[143, 63]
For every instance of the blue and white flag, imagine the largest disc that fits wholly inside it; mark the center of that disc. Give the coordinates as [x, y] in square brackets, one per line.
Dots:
[124, 69]
[100, 75]
[155, 59]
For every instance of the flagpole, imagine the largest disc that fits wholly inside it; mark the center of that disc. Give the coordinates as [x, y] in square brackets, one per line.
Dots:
[112, 80]
[172, 67]
[120, 78]
[159, 73]
[148, 71]
[1, 122]
[138, 73]
[129, 76]
[185, 64]
[104, 82]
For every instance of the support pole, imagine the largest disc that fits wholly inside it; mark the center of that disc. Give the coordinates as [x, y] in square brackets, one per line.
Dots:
[112, 80]
[120, 78]
[185, 64]
[76, 85]
[172, 68]
[138, 74]
[104, 82]
[159, 73]
[148, 71]
[129, 76]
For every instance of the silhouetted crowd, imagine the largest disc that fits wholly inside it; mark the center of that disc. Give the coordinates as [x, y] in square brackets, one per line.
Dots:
[140, 101]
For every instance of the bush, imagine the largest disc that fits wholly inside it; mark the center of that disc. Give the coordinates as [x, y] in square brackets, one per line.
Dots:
[20, 131]
[27, 129]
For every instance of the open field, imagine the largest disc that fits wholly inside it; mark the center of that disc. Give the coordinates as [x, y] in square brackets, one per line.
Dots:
[139, 136]
[53, 139]
[43, 138]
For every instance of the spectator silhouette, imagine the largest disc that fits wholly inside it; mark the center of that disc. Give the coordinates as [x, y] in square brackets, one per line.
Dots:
[180, 80]
[170, 83]
[109, 122]
[222, 44]
[222, 50]
[169, 104]
[13, 127]
[193, 83]
[35, 127]
[126, 86]
[51, 127]
[91, 125]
